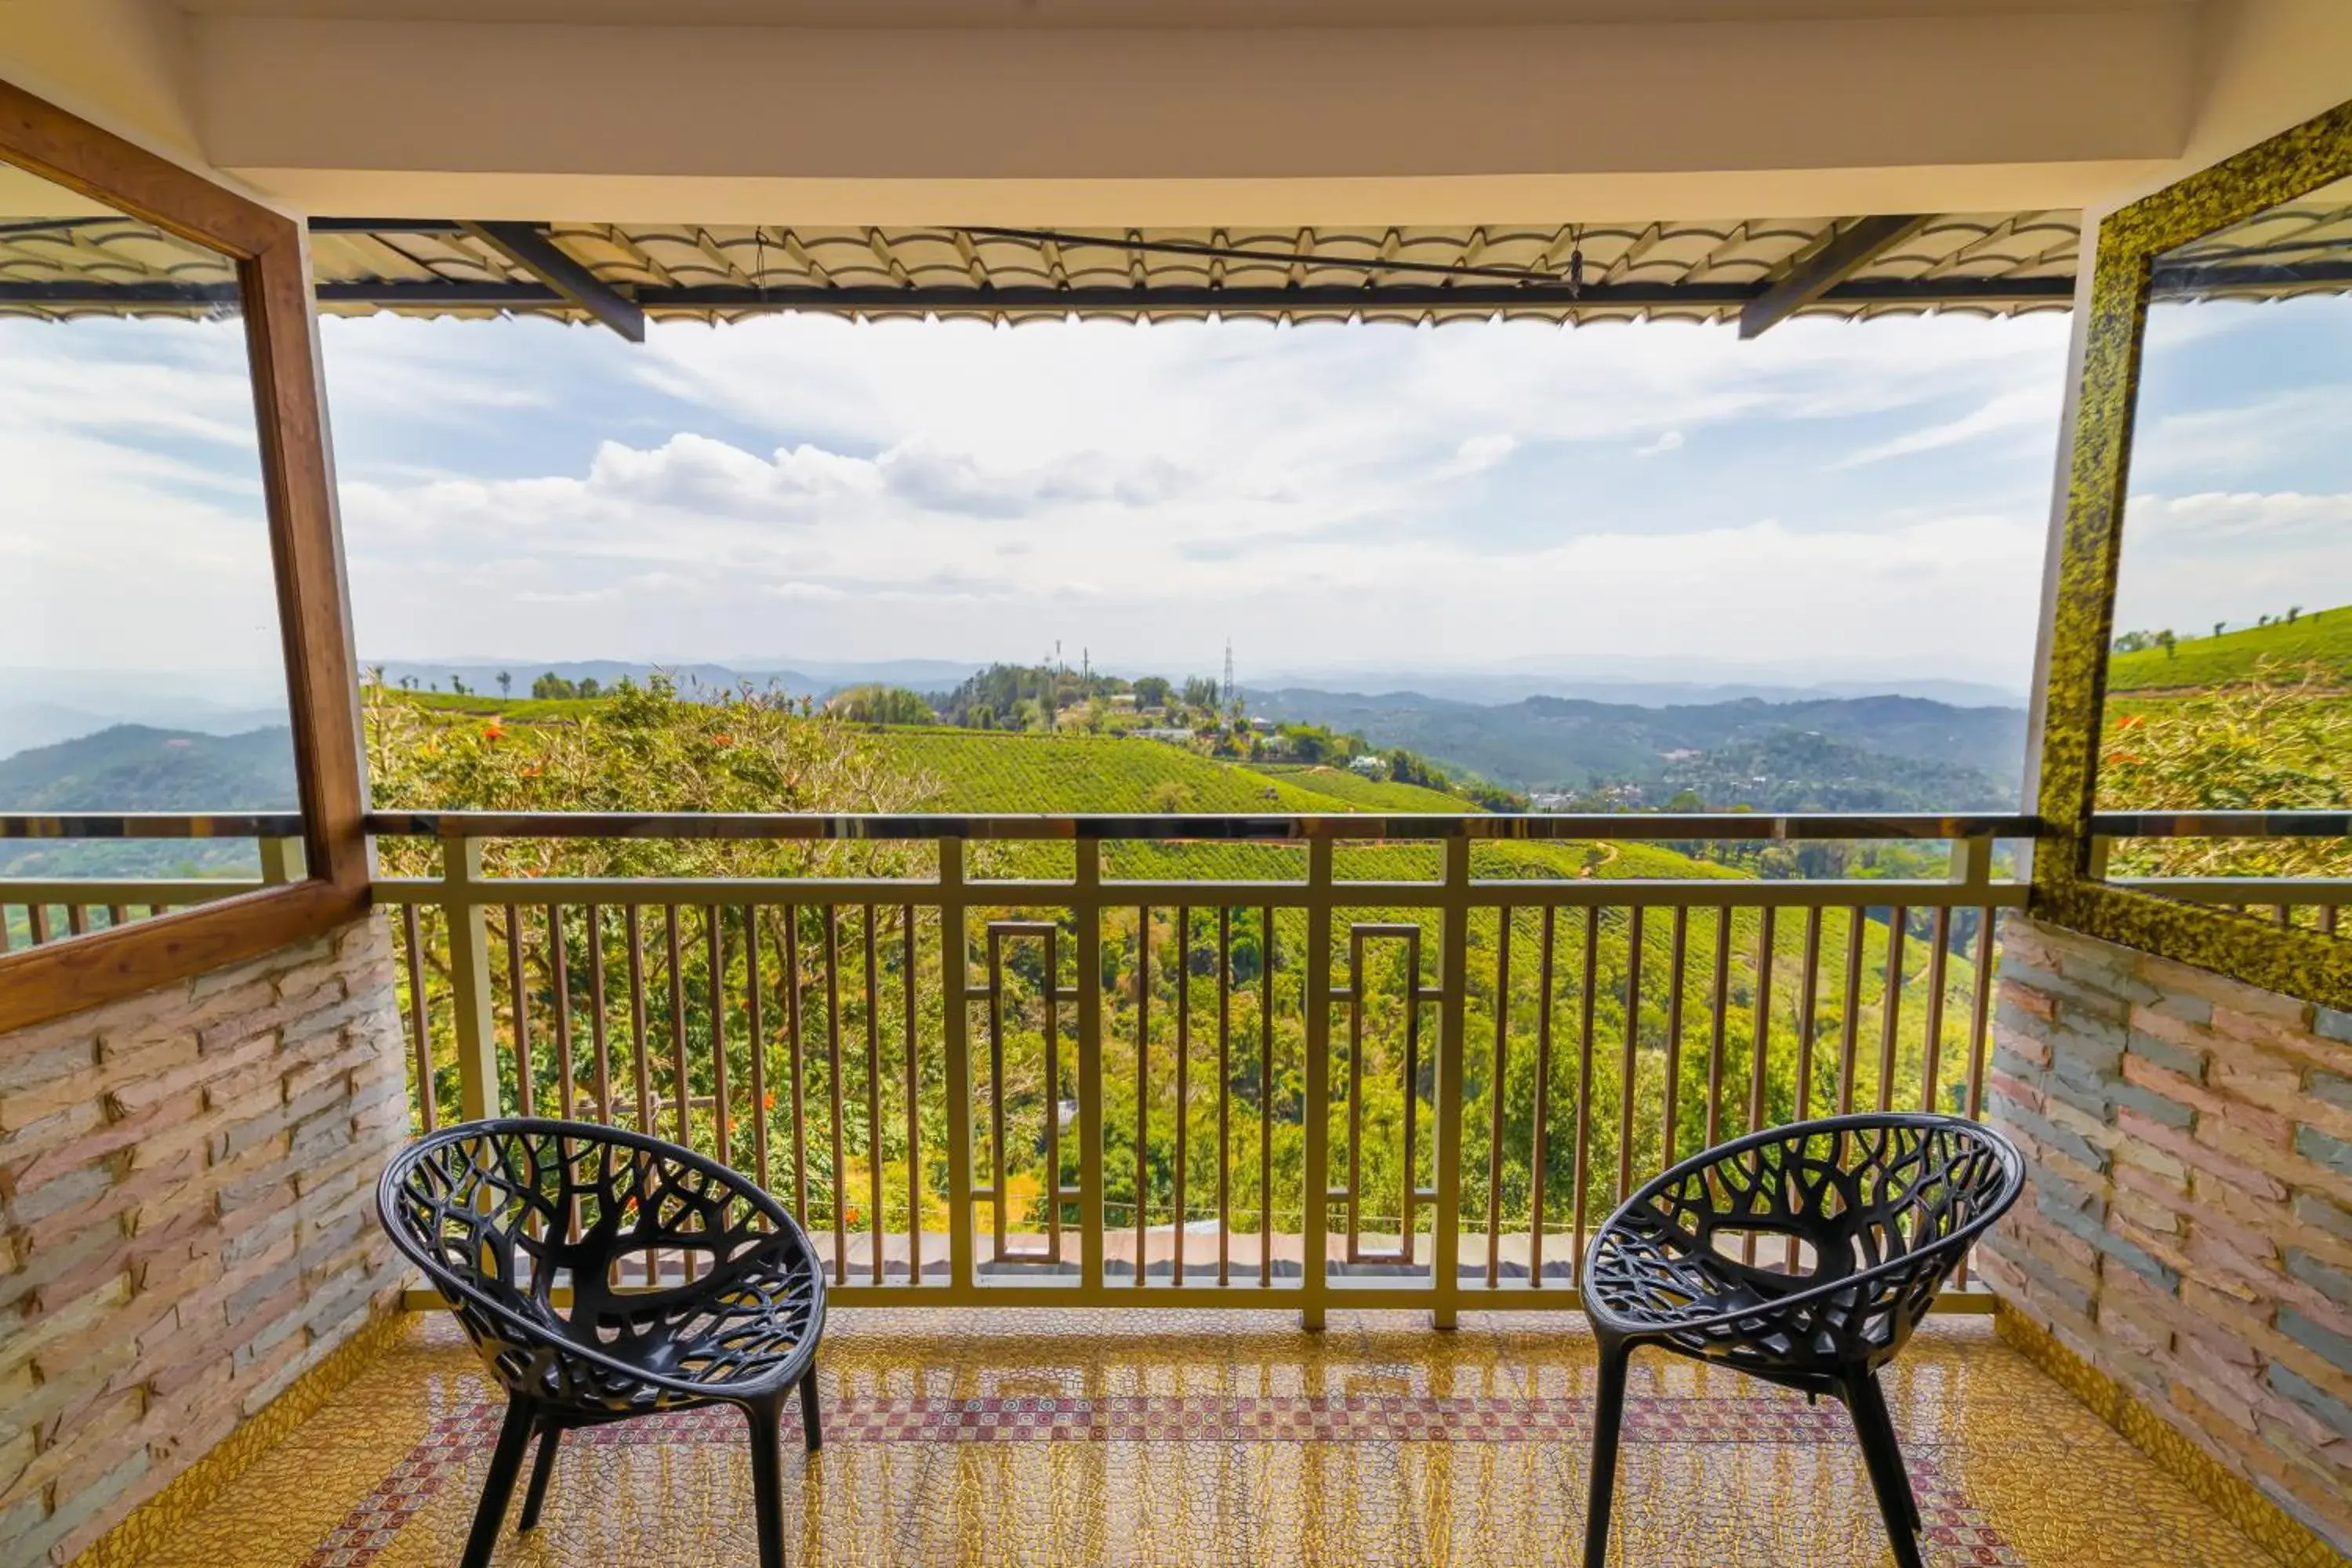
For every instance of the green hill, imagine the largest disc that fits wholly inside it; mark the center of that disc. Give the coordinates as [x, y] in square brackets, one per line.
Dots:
[2322, 638]
[979, 771]
[1360, 793]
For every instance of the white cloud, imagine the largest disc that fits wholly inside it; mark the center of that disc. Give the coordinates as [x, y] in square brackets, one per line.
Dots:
[1477, 454]
[2023, 408]
[810, 486]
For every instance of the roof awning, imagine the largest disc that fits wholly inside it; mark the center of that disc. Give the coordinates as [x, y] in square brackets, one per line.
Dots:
[1991, 264]
[1756, 271]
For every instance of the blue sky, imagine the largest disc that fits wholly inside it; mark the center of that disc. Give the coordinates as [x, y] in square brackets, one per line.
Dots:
[1832, 500]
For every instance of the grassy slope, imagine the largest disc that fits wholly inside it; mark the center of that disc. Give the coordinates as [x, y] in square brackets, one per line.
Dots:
[971, 770]
[2324, 638]
[1369, 794]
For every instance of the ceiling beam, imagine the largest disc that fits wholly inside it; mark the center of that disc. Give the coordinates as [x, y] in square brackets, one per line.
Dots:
[1852, 249]
[529, 247]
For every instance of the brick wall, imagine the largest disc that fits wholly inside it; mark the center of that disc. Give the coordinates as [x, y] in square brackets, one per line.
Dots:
[186, 1221]
[2188, 1230]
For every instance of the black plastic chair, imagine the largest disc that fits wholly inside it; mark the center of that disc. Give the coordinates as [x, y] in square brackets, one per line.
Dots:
[1871, 1214]
[502, 1214]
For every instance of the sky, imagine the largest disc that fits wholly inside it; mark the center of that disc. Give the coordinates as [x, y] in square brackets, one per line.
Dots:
[1830, 502]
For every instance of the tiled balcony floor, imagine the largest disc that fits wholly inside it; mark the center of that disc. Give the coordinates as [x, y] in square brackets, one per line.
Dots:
[1212, 1439]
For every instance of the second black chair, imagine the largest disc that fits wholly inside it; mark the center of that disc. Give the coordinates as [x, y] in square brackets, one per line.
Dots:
[728, 1308]
[1868, 1215]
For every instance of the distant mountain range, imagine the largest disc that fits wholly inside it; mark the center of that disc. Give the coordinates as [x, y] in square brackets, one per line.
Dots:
[1952, 755]
[1874, 752]
[135, 767]
[813, 678]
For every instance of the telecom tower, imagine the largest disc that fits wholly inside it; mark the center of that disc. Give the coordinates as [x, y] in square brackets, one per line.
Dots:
[1230, 691]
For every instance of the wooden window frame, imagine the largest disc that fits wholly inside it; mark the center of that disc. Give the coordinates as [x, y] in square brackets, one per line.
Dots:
[2066, 891]
[306, 560]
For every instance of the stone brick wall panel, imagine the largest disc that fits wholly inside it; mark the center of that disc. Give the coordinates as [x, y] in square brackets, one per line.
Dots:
[2188, 1223]
[186, 1221]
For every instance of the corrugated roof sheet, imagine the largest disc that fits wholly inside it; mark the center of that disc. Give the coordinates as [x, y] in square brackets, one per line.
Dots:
[1701, 271]
[1982, 263]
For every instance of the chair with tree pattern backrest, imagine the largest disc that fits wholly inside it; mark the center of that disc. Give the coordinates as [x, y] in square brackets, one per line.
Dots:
[1870, 1215]
[502, 1215]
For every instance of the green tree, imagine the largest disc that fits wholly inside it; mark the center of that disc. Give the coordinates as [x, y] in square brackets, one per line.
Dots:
[879, 705]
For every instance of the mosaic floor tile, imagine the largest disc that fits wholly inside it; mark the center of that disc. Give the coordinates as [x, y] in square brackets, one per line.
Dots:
[1042, 1437]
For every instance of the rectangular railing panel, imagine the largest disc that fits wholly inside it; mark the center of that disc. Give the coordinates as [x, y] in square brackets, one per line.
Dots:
[1388, 1081]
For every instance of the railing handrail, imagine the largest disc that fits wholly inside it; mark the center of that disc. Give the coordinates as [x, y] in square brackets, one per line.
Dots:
[1272, 827]
[1238, 826]
[2223, 824]
[151, 825]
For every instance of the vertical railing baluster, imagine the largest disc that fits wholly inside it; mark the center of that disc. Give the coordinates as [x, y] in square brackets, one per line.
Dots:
[1316, 1245]
[1142, 1089]
[679, 1071]
[722, 1121]
[1807, 1012]
[839, 1193]
[1677, 966]
[1051, 998]
[598, 1040]
[1225, 1093]
[1721, 1016]
[1979, 1019]
[1540, 1133]
[1940, 934]
[640, 1028]
[558, 959]
[420, 1023]
[1981, 1013]
[872, 1096]
[1583, 1172]
[1494, 1098]
[1452, 1052]
[1356, 1093]
[1183, 1078]
[906, 1011]
[956, 1060]
[1629, 1062]
[526, 1094]
[76, 921]
[1850, 1026]
[755, 1022]
[796, 1060]
[1890, 1020]
[1265, 1096]
[1089, 911]
[1761, 1051]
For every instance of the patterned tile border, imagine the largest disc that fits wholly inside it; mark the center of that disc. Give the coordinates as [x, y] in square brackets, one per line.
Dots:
[191, 1491]
[1955, 1527]
[2223, 1490]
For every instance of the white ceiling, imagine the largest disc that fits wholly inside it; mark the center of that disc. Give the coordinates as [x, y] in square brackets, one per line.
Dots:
[1140, 13]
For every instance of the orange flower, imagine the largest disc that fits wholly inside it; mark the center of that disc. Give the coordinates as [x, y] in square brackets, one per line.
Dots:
[722, 739]
[490, 732]
[2130, 721]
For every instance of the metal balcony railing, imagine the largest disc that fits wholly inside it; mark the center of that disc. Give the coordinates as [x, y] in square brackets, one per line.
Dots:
[1361, 1060]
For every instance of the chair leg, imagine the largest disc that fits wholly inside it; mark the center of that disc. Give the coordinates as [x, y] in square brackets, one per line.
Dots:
[812, 1419]
[543, 1468]
[506, 1463]
[768, 1480]
[1889, 1478]
[1608, 1416]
